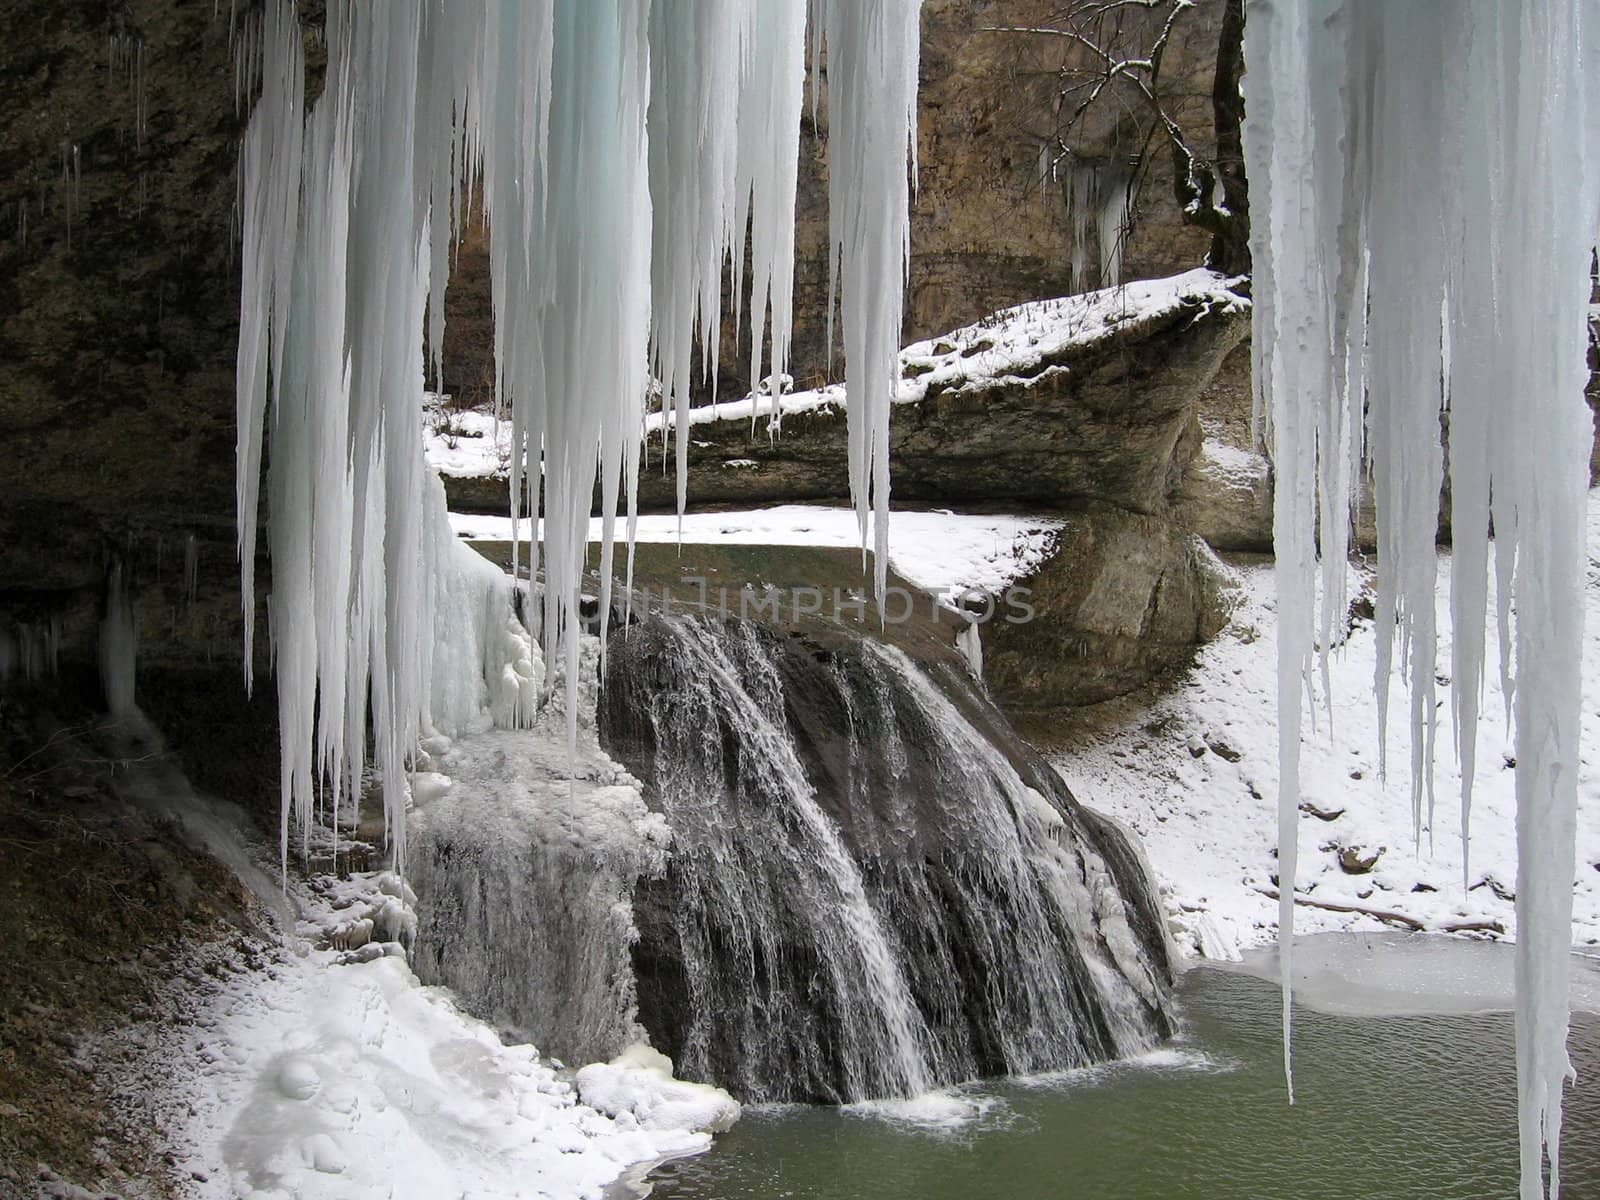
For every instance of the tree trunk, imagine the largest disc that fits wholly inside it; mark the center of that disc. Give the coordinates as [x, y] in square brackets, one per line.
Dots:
[1230, 238]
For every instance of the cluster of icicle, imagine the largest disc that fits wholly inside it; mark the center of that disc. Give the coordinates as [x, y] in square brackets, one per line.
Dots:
[621, 149]
[1425, 180]
[1098, 194]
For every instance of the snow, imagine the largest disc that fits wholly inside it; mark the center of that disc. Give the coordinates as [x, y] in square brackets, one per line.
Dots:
[1234, 466]
[333, 1074]
[639, 1082]
[940, 551]
[464, 442]
[1191, 772]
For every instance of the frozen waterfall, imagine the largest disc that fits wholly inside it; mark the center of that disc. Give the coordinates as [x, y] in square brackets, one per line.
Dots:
[619, 148]
[1425, 180]
[803, 865]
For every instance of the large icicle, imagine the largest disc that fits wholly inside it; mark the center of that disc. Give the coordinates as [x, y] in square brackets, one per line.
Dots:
[695, 52]
[872, 122]
[769, 161]
[1426, 217]
[269, 186]
[594, 131]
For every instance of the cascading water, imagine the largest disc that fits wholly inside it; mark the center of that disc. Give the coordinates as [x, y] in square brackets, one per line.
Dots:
[865, 898]
[796, 864]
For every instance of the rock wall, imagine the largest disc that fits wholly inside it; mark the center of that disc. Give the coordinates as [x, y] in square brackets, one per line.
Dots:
[119, 290]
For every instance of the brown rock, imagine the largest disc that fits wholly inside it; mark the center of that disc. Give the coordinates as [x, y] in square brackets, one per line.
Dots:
[1352, 861]
[1107, 422]
[1124, 599]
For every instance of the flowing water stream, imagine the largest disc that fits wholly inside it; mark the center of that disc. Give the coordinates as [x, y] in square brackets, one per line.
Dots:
[1418, 1107]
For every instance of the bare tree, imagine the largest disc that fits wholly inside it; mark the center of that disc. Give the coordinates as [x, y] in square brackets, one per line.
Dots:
[1117, 50]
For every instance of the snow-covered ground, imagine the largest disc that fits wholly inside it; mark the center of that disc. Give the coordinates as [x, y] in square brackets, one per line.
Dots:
[465, 444]
[1007, 344]
[332, 1073]
[1194, 772]
[941, 551]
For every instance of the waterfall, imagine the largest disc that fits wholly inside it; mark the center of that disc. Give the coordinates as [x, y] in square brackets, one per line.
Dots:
[799, 863]
[865, 897]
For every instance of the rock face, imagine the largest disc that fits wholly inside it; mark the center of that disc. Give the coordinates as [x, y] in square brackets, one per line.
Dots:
[118, 319]
[1226, 498]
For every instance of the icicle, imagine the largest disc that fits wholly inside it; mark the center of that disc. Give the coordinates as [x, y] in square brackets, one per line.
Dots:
[872, 48]
[768, 166]
[31, 649]
[585, 127]
[695, 52]
[1423, 216]
[1098, 195]
[269, 187]
[119, 646]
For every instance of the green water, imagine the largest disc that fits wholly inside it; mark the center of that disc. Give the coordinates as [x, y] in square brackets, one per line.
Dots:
[1388, 1108]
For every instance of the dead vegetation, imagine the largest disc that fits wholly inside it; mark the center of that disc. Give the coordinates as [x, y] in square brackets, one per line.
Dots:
[100, 908]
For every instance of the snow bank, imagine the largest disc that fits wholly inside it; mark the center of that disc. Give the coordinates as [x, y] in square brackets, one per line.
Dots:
[638, 1083]
[1193, 772]
[464, 442]
[333, 1074]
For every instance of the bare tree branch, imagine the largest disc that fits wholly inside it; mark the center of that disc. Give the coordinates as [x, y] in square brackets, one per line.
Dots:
[1127, 58]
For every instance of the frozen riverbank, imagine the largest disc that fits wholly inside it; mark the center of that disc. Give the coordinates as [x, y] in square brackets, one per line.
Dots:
[1192, 768]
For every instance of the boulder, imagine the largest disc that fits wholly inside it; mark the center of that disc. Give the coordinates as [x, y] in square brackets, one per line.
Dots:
[1125, 598]
[1106, 418]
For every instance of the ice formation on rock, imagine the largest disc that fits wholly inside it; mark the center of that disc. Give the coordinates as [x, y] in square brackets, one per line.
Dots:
[619, 148]
[1426, 189]
[1098, 195]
